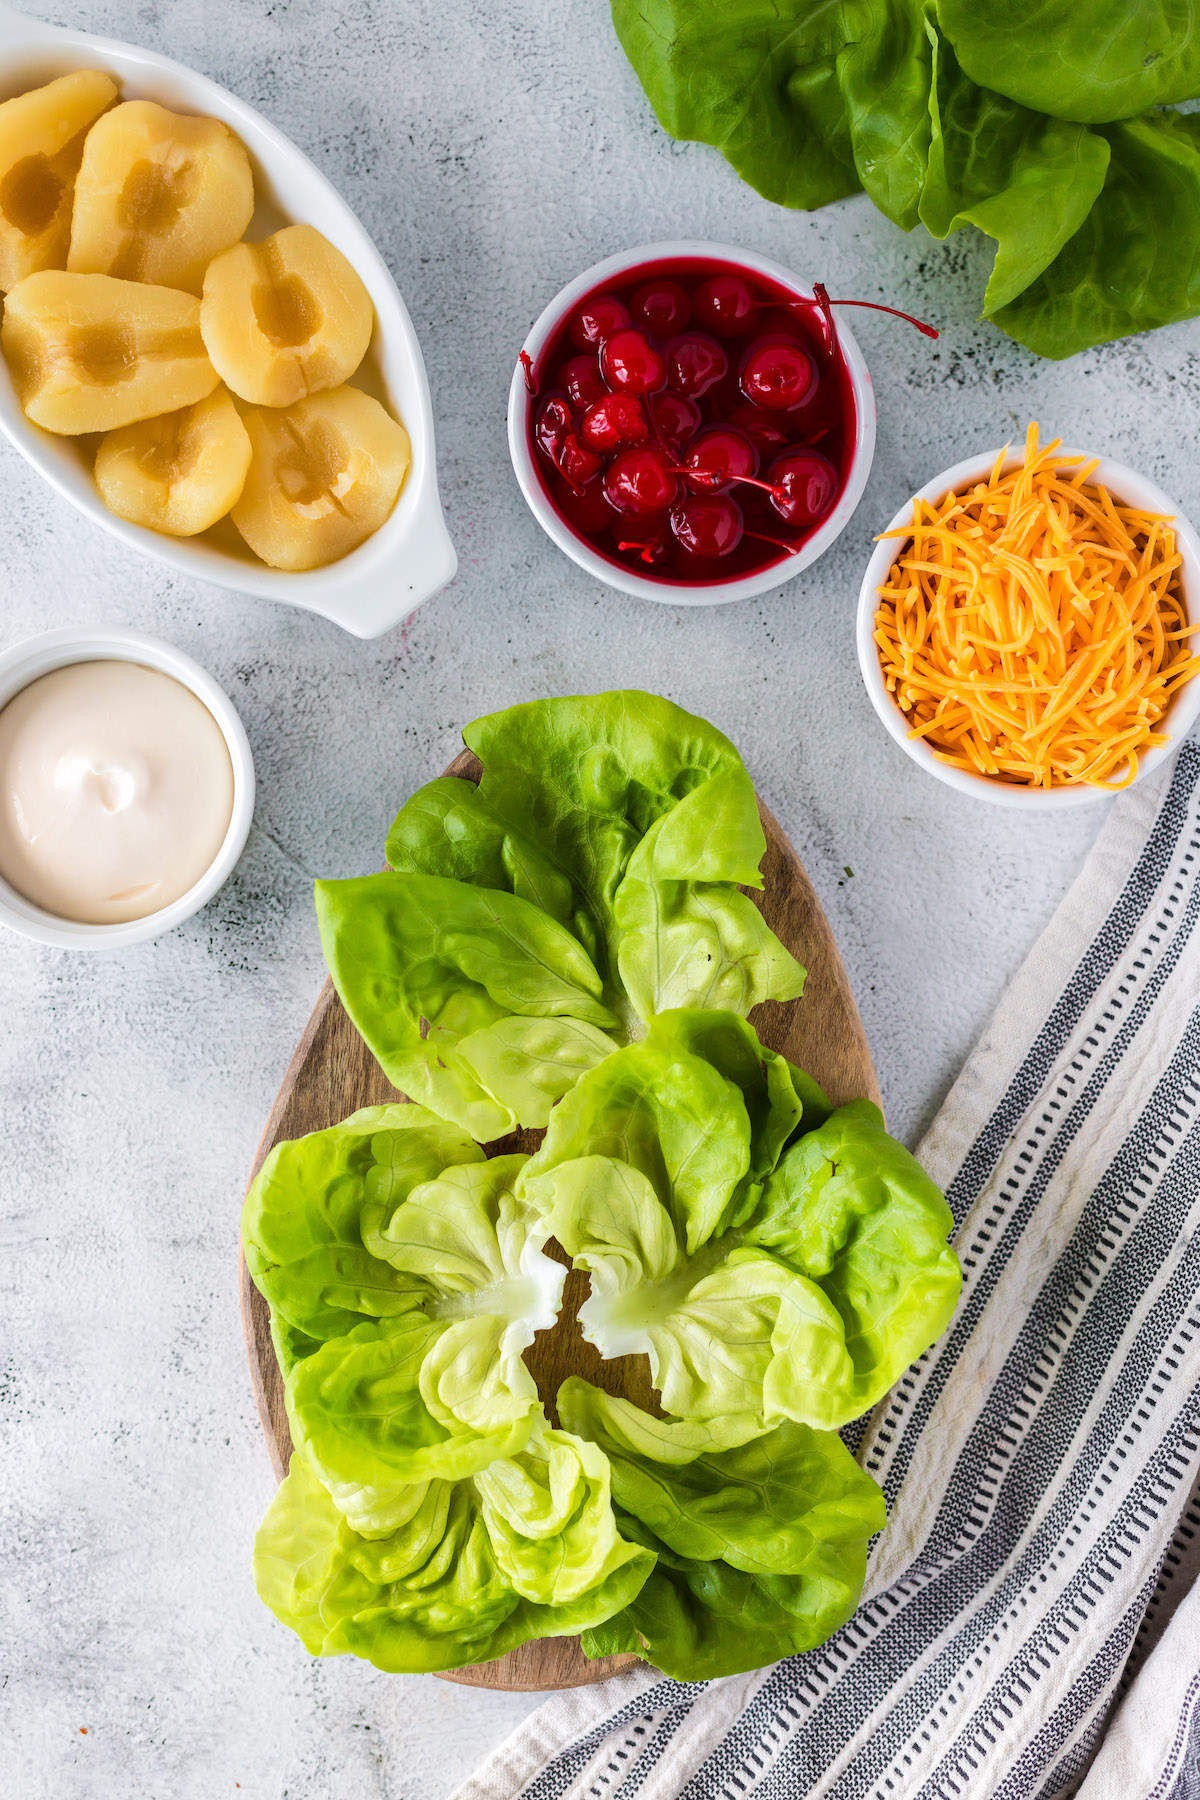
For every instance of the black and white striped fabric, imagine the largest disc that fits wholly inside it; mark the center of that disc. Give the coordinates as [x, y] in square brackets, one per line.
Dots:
[1029, 1626]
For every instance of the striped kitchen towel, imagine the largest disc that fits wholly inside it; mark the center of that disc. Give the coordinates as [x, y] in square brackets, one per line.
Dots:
[1029, 1625]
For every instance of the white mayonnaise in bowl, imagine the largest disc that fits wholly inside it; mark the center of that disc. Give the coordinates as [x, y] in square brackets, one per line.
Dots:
[25, 663]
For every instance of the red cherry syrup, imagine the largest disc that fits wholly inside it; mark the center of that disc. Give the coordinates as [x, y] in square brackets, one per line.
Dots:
[691, 421]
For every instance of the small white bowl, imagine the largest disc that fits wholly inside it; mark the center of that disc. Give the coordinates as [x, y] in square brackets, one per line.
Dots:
[577, 548]
[35, 656]
[410, 557]
[1125, 485]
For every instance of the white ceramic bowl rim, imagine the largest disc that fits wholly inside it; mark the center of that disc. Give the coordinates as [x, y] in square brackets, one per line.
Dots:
[693, 594]
[1124, 484]
[410, 557]
[24, 662]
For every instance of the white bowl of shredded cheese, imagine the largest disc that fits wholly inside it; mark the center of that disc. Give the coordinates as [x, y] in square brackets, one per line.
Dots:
[1034, 628]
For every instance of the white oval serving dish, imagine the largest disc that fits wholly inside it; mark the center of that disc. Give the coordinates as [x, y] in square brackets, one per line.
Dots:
[410, 557]
[1125, 485]
[577, 548]
[36, 656]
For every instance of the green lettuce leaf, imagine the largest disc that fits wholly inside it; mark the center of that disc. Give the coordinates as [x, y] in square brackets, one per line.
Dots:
[762, 1282]
[700, 1109]
[379, 1410]
[849, 1209]
[312, 1219]
[1027, 180]
[761, 1548]
[462, 1575]
[497, 983]
[1096, 63]
[631, 823]
[431, 1383]
[808, 100]
[757, 79]
[449, 829]
[531, 924]
[885, 71]
[1134, 263]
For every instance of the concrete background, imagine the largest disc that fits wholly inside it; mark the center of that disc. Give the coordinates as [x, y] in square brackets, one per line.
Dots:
[493, 150]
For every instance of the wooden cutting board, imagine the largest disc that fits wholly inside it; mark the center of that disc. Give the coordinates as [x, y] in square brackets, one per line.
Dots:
[333, 1073]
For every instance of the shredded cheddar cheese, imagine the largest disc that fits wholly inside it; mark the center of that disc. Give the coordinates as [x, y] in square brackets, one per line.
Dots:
[1033, 628]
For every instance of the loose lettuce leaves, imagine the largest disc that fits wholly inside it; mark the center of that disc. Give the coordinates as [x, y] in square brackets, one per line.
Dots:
[762, 1282]
[761, 1548]
[779, 1262]
[468, 1570]
[953, 113]
[758, 80]
[508, 998]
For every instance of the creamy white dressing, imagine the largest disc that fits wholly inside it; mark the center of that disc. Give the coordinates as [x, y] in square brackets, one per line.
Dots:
[116, 791]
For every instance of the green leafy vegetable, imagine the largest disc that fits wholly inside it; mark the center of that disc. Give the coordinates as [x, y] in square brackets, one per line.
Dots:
[1102, 61]
[761, 1548]
[468, 1570]
[761, 1285]
[314, 1215]
[534, 922]
[1027, 180]
[778, 1261]
[758, 80]
[495, 980]
[955, 112]
[405, 1357]
[1134, 263]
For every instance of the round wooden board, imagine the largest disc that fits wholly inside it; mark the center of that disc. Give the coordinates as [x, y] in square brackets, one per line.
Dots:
[333, 1073]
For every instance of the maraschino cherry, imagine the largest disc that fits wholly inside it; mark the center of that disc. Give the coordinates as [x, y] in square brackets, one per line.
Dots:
[639, 483]
[717, 457]
[661, 306]
[777, 373]
[630, 364]
[724, 305]
[708, 524]
[804, 485]
[675, 417]
[695, 363]
[613, 420]
[596, 320]
[582, 379]
[558, 439]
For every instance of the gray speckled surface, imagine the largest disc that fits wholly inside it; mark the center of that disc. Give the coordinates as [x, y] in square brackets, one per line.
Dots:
[493, 150]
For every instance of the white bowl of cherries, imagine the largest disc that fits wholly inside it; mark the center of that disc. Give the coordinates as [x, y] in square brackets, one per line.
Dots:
[691, 423]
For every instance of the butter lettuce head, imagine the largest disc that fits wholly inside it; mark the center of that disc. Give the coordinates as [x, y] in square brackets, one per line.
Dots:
[568, 945]
[761, 1548]
[531, 924]
[763, 1282]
